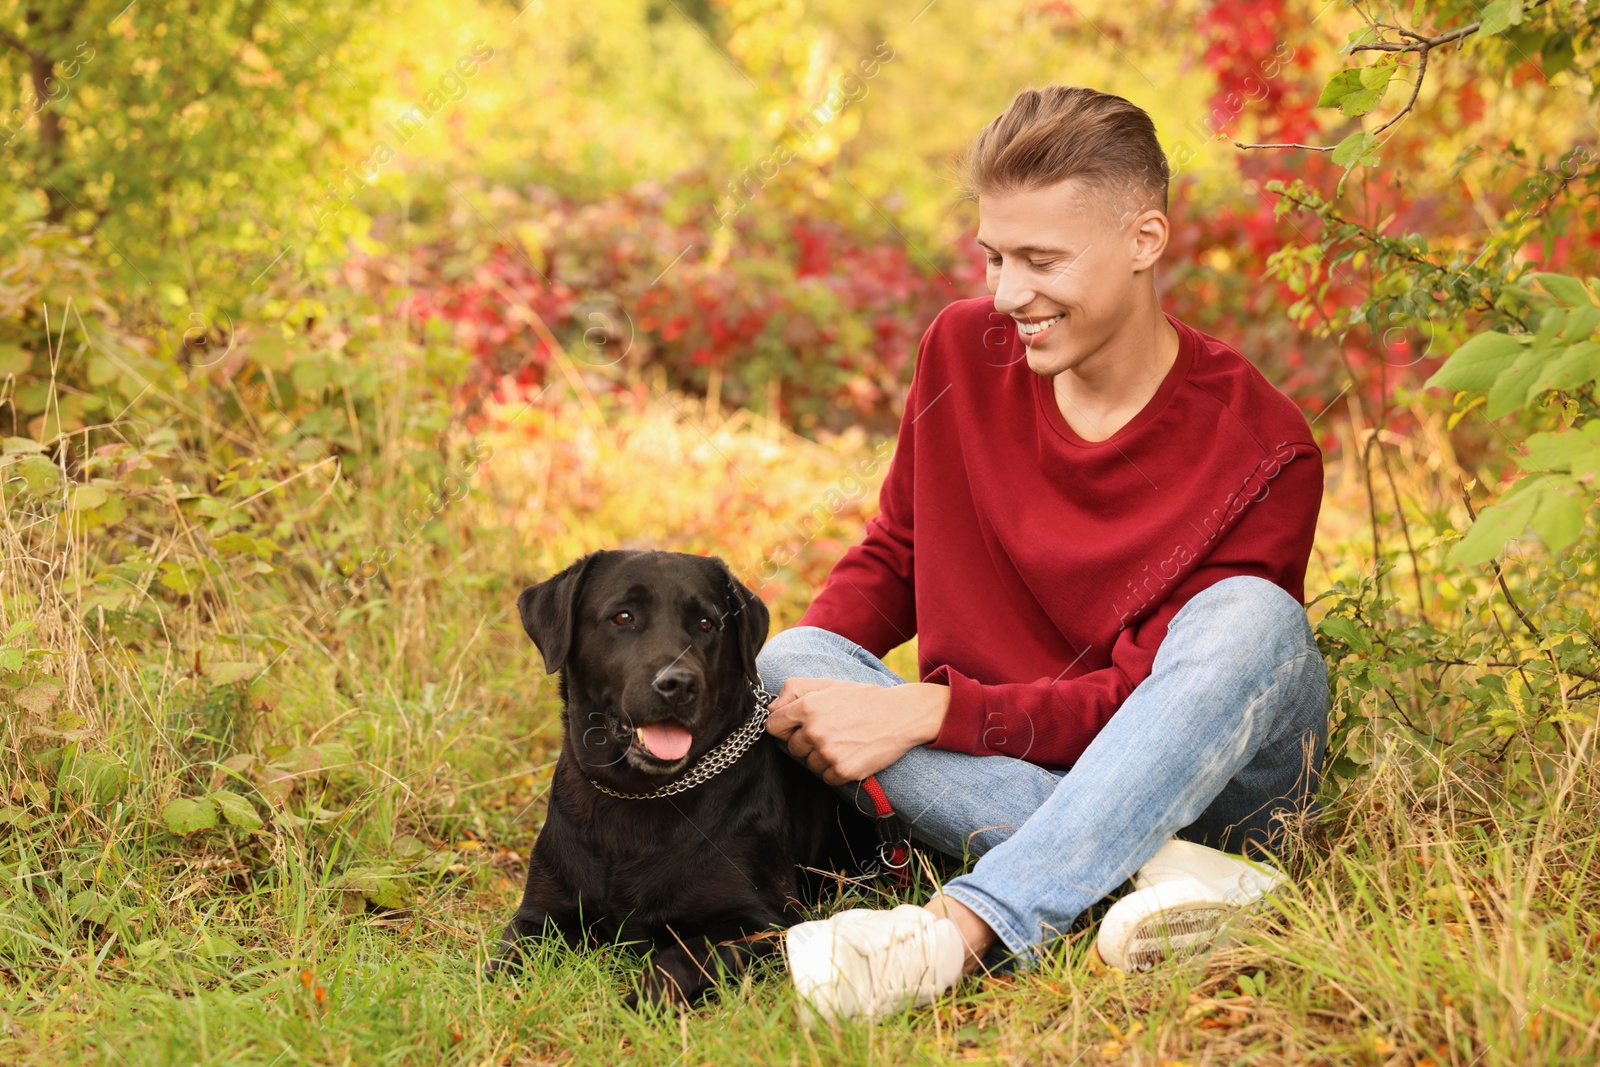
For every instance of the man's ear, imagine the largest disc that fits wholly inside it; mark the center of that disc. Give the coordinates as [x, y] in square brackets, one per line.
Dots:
[749, 614]
[547, 611]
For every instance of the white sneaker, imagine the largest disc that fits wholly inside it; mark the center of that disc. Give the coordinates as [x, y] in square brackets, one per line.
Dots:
[865, 964]
[1183, 898]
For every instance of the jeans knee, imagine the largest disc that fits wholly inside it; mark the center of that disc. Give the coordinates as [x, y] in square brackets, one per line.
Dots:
[797, 641]
[810, 651]
[1252, 611]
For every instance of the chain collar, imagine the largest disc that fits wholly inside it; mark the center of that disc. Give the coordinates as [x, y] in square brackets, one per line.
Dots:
[716, 760]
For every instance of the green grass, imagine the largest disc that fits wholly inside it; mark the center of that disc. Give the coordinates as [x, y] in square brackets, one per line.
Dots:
[1417, 937]
[1437, 916]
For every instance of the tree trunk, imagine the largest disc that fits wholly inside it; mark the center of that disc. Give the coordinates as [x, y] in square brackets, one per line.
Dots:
[41, 70]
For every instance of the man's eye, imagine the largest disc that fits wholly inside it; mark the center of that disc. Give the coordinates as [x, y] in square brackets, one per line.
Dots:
[622, 618]
[1042, 266]
[994, 261]
[706, 626]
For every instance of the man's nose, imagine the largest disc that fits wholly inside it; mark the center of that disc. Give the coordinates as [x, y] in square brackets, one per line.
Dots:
[1011, 291]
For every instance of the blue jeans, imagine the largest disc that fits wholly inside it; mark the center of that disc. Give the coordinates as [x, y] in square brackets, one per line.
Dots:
[1226, 732]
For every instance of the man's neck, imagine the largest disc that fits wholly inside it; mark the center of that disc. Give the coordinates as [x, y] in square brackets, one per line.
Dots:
[1099, 399]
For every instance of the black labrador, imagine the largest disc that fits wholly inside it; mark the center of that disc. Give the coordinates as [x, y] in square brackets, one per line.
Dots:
[675, 820]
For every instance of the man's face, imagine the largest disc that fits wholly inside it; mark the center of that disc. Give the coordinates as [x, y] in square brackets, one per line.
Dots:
[1064, 263]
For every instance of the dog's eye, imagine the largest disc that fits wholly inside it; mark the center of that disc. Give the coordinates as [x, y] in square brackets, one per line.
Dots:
[622, 618]
[706, 626]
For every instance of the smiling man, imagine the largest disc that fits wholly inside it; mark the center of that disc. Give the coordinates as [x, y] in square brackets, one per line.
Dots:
[1096, 523]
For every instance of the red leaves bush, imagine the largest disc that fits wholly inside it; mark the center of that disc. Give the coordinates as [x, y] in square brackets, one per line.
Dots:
[807, 310]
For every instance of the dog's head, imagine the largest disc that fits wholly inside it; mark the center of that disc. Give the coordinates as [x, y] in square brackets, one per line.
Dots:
[656, 650]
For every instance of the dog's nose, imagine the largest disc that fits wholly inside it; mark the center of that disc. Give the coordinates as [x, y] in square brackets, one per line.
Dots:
[676, 684]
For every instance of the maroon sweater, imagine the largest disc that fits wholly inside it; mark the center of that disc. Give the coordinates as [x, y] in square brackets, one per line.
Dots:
[1038, 570]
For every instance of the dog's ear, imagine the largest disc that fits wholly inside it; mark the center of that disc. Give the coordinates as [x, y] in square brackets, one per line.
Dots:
[749, 615]
[547, 611]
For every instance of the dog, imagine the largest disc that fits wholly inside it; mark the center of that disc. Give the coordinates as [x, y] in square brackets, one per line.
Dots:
[675, 821]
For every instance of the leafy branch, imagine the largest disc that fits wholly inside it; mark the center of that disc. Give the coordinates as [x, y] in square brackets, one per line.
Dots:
[1356, 91]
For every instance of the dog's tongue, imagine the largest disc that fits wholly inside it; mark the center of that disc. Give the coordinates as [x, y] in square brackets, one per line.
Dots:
[666, 740]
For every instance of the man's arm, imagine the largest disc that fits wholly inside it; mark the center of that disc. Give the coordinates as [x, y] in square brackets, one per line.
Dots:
[1051, 722]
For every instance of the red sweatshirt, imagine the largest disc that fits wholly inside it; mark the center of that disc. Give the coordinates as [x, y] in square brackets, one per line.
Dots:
[1039, 570]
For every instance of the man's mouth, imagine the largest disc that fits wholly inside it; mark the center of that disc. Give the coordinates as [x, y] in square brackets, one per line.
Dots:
[1032, 332]
[666, 741]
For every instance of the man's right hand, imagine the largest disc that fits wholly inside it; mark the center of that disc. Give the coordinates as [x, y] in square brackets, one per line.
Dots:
[847, 731]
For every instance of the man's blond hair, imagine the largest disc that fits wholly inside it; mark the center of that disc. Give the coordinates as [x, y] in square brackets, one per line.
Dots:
[1064, 132]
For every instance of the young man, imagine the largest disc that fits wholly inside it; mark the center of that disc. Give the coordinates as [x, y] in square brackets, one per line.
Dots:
[1096, 522]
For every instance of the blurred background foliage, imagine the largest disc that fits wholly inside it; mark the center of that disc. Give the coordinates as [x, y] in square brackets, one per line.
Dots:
[324, 327]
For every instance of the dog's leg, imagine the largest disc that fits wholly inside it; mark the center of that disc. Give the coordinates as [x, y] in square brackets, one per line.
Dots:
[543, 913]
[683, 970]
[524, 928]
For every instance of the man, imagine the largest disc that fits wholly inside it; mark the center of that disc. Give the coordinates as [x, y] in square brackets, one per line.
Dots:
[1096, 522]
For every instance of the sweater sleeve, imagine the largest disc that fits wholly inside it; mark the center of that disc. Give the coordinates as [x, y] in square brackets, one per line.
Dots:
[870, 595]
[1050, 722]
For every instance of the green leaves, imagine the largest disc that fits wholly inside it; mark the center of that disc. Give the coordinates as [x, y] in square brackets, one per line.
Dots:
[1564, 465]
[1576, 452]
[1357, 90]
[236, 809]
[381, 886]
[227, 673]
[188, 815]
[14, 359]
[1554, 498]
[1566, 289]
[1356, 149]
[1553, 505]
[1476, 364]
[1499, 16]
[92, 777]
[1517, 370]
[1345, 629]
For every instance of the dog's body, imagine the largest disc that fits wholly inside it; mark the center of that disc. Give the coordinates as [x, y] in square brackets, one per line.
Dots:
[656, 652]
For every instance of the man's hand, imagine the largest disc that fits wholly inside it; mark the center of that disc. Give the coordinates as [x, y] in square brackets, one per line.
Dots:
[845, 731]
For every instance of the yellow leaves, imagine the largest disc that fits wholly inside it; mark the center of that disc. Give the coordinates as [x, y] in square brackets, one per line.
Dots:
[253, 57]
[255, 69]
[1120, 1039]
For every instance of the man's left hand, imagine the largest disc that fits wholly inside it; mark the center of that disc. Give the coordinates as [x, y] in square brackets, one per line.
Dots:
[845, 731]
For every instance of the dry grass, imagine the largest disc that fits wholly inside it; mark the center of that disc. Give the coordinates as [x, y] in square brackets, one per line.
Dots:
[1442, 915]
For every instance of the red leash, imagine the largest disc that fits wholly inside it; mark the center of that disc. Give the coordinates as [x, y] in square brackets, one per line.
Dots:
[894, 845]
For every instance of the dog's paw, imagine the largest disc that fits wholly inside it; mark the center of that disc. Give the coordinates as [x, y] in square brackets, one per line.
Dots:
[509, 960]
[658, 990]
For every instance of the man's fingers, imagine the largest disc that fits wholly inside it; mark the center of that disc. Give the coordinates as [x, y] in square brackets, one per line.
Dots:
[795, 688]
[782, 723]
[800, 746]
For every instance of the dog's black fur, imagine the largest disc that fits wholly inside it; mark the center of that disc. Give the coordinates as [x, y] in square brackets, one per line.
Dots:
[639, 637]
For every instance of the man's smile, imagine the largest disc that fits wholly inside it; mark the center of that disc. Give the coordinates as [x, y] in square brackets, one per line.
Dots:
[1033, 331]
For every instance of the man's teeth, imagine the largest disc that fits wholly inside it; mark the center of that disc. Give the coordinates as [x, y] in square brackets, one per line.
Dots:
[1031, 328]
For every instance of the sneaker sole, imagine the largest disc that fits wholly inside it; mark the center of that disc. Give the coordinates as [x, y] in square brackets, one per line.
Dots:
[1175, 932]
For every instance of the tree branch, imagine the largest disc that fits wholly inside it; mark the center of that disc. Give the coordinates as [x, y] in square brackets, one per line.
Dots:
[1500, 576]
[14, 43]
[1414, 42]
[1423, 44]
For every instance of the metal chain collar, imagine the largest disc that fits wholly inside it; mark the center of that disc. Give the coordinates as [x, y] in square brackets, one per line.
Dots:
[716, 760]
